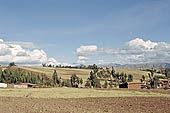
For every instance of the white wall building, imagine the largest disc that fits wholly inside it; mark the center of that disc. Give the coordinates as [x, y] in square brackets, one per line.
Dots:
[3, 85]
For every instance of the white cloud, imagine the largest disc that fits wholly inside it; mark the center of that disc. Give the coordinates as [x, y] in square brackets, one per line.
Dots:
[53, 61]
[1, 40]
[86, 50]
[134, 51]
[82, 60]
[141, 44]
[23, 44]
[25, 55]
[29, 45]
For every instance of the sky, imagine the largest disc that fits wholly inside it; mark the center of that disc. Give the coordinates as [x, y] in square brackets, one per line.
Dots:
[70, 32]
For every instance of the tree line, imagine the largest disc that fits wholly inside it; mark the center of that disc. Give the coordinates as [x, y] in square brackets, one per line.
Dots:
[18, 76]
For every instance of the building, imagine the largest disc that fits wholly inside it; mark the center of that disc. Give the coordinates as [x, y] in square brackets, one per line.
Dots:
[3, 85]
[21, 85]
[124, 85]
[130, 85]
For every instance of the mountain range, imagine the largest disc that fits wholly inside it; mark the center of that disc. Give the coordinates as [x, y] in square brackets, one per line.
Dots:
[136, 66]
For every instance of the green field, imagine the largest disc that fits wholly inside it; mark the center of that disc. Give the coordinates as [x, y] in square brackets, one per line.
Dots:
[76, 93]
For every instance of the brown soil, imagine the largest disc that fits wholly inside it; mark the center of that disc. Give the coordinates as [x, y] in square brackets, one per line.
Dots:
[86, 105]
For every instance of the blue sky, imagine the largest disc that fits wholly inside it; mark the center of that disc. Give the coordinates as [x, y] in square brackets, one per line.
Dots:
[59, 27]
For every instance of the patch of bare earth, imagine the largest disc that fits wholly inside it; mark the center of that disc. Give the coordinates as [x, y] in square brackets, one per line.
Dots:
[86, 105]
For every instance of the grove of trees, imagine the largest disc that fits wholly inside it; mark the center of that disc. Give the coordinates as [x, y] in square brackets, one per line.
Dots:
[18, 76]
[109, 77]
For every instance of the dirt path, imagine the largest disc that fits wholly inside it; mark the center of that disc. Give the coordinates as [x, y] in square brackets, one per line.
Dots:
[86, 105]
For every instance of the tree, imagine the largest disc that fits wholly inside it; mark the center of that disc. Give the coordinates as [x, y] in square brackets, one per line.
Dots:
[143, 78]
[91, 78]
[66, 83]
[167, 73]
[111, 83]
[94, 81]
[88, 85]
[113, 72]
[81, 81]
[49, 65]
[105, 84]
[153, 82]
[56, 79]
[44, 65]
[75, 81]
[130, 78]
[12, 64]
[95, 68]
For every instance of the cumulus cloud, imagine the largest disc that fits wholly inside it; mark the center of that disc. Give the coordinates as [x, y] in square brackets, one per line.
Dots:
[25, 55]
[147, 51]
[86, 50]
[141, 44]
[134, 51]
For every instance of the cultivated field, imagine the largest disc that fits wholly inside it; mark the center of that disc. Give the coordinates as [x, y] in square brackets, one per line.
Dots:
[71, 100]
[86, 105]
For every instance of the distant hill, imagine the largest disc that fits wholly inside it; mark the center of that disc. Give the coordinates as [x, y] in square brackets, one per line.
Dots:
[137, 66]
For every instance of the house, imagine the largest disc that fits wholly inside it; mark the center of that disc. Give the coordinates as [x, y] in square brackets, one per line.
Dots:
[3, 85]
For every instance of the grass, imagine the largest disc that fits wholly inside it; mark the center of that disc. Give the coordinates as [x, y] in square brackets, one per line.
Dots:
[75, 93]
